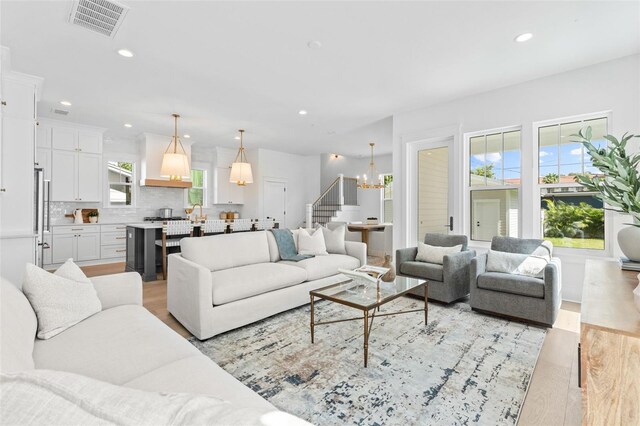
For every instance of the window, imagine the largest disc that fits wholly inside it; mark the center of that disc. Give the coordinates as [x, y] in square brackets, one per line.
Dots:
[570, 216]
[120, 177]
[387, 199]
[197, 194]
[494, 182]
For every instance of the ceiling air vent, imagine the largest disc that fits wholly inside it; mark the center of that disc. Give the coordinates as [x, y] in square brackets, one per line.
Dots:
[101, 16]
[60, 111]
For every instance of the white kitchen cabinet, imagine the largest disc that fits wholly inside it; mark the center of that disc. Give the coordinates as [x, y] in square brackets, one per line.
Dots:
[64, 138]
[43, 136]
[89, 174]
[19, 98]
[43, 161]
[75, 176]
[63, 247]
[81, 243]
[73, 139]
[90, 142]
[225, 192]
[64, 176]
[46, 250]
[88, 247]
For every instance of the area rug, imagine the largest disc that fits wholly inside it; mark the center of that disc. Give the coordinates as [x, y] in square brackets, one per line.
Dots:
[462, 368]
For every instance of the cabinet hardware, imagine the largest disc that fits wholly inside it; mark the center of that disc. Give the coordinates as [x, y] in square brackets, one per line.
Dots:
[120, 238]
[120, 251]
[4, 103]
[3, 190]
[76, 229]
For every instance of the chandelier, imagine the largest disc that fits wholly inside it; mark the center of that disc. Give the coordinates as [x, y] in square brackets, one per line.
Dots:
[175, 164]
[241, 168]
[368, 178]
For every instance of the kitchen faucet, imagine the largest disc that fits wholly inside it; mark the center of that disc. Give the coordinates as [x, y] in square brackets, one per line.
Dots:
[201, 217]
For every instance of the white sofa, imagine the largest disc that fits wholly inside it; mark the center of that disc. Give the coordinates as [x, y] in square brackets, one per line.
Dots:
[222, 282]
[124, 344]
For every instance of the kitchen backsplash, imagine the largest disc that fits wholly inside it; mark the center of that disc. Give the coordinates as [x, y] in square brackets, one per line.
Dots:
[150, 199]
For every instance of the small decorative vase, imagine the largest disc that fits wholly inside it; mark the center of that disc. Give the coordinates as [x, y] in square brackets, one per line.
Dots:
[93, 219]
[629, 242]
[636, 295]
[391, 273]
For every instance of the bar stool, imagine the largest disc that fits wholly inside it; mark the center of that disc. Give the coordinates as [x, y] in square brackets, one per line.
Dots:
[241, 225]
[213, 226]
[172, 232]
[265, 224]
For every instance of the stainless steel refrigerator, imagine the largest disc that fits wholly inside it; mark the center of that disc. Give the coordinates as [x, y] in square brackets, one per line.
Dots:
[42, 216]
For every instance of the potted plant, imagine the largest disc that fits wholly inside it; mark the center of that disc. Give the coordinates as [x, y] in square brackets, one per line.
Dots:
[618, 184]
[93, 216]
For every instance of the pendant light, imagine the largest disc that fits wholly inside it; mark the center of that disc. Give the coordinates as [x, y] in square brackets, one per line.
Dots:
[368, 179]
[241, 168]
[175, 164]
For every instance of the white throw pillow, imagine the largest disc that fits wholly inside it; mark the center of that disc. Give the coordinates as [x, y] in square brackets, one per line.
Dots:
[59, 302]
[530, 265]
[311, 244]
[435, 254]
[334, 239]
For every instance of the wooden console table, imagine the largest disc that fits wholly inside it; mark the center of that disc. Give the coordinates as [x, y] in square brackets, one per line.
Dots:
[610, 346]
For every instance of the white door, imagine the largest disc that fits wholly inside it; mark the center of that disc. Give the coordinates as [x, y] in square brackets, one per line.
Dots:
[431, 188]
[64, 138]
[275, 201]
[88, 246]
[63, 247]
[90, 142]
[16, 199]
[89, 177]
[63, 175]
[486, 219]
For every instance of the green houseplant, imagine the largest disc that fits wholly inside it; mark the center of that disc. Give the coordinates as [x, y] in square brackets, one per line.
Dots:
[93, 216]
[618, 184]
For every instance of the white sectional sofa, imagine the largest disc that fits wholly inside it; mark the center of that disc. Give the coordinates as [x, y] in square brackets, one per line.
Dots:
[222, 282]
[124, 344]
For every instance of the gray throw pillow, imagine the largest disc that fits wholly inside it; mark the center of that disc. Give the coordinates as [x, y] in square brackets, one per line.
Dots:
[334, 239]
[59, 300]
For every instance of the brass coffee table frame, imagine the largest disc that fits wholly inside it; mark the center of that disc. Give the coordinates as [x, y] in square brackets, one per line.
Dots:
[373, 308]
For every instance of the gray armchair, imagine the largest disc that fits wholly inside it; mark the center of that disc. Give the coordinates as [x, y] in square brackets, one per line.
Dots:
[447, 282]
[532, 299]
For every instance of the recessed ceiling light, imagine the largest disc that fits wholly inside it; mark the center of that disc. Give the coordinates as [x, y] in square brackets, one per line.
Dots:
[126, 53]
[523, 37]
[65, 103]
[186, 136]
[127, 125]
[302, 112]
[314, 44]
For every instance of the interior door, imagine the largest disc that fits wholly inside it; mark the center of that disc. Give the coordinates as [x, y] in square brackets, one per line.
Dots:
[275, 201]
[434, 190]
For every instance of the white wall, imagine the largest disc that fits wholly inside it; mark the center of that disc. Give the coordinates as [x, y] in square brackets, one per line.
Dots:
[612, 86]
[302, 174]
[368, 199]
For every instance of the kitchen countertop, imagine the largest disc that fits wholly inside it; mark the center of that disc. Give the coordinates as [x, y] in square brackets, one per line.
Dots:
[88, 224]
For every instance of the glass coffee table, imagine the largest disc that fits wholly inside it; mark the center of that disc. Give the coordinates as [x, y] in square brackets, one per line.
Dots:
[367, 297]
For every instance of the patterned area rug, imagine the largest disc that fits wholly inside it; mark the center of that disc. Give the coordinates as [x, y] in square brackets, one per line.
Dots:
[461, 368]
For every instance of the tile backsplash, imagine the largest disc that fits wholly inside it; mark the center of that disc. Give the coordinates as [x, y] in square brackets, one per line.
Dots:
[150, 199]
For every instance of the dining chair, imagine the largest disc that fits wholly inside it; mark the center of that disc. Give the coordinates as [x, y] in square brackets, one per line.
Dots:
[172, 232]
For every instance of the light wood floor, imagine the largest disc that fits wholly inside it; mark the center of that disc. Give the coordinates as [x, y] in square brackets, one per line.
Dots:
[553, 397]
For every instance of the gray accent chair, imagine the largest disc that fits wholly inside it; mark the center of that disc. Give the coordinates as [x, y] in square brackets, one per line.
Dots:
[531, 299]
[447, 282]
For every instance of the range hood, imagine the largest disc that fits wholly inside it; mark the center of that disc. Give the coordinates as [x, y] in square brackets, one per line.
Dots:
[152, 148]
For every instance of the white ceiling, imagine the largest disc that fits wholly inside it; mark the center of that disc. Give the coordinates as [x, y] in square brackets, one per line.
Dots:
[230, 65]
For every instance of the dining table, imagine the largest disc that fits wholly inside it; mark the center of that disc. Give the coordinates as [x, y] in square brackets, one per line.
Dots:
[364, 229]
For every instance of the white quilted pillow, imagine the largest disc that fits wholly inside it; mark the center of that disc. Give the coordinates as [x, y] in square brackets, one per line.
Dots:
[60, 300]
[530, 265]
[435, 254]
[311, 244]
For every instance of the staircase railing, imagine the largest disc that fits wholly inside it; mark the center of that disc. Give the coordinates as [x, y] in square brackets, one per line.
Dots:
[342, 191]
